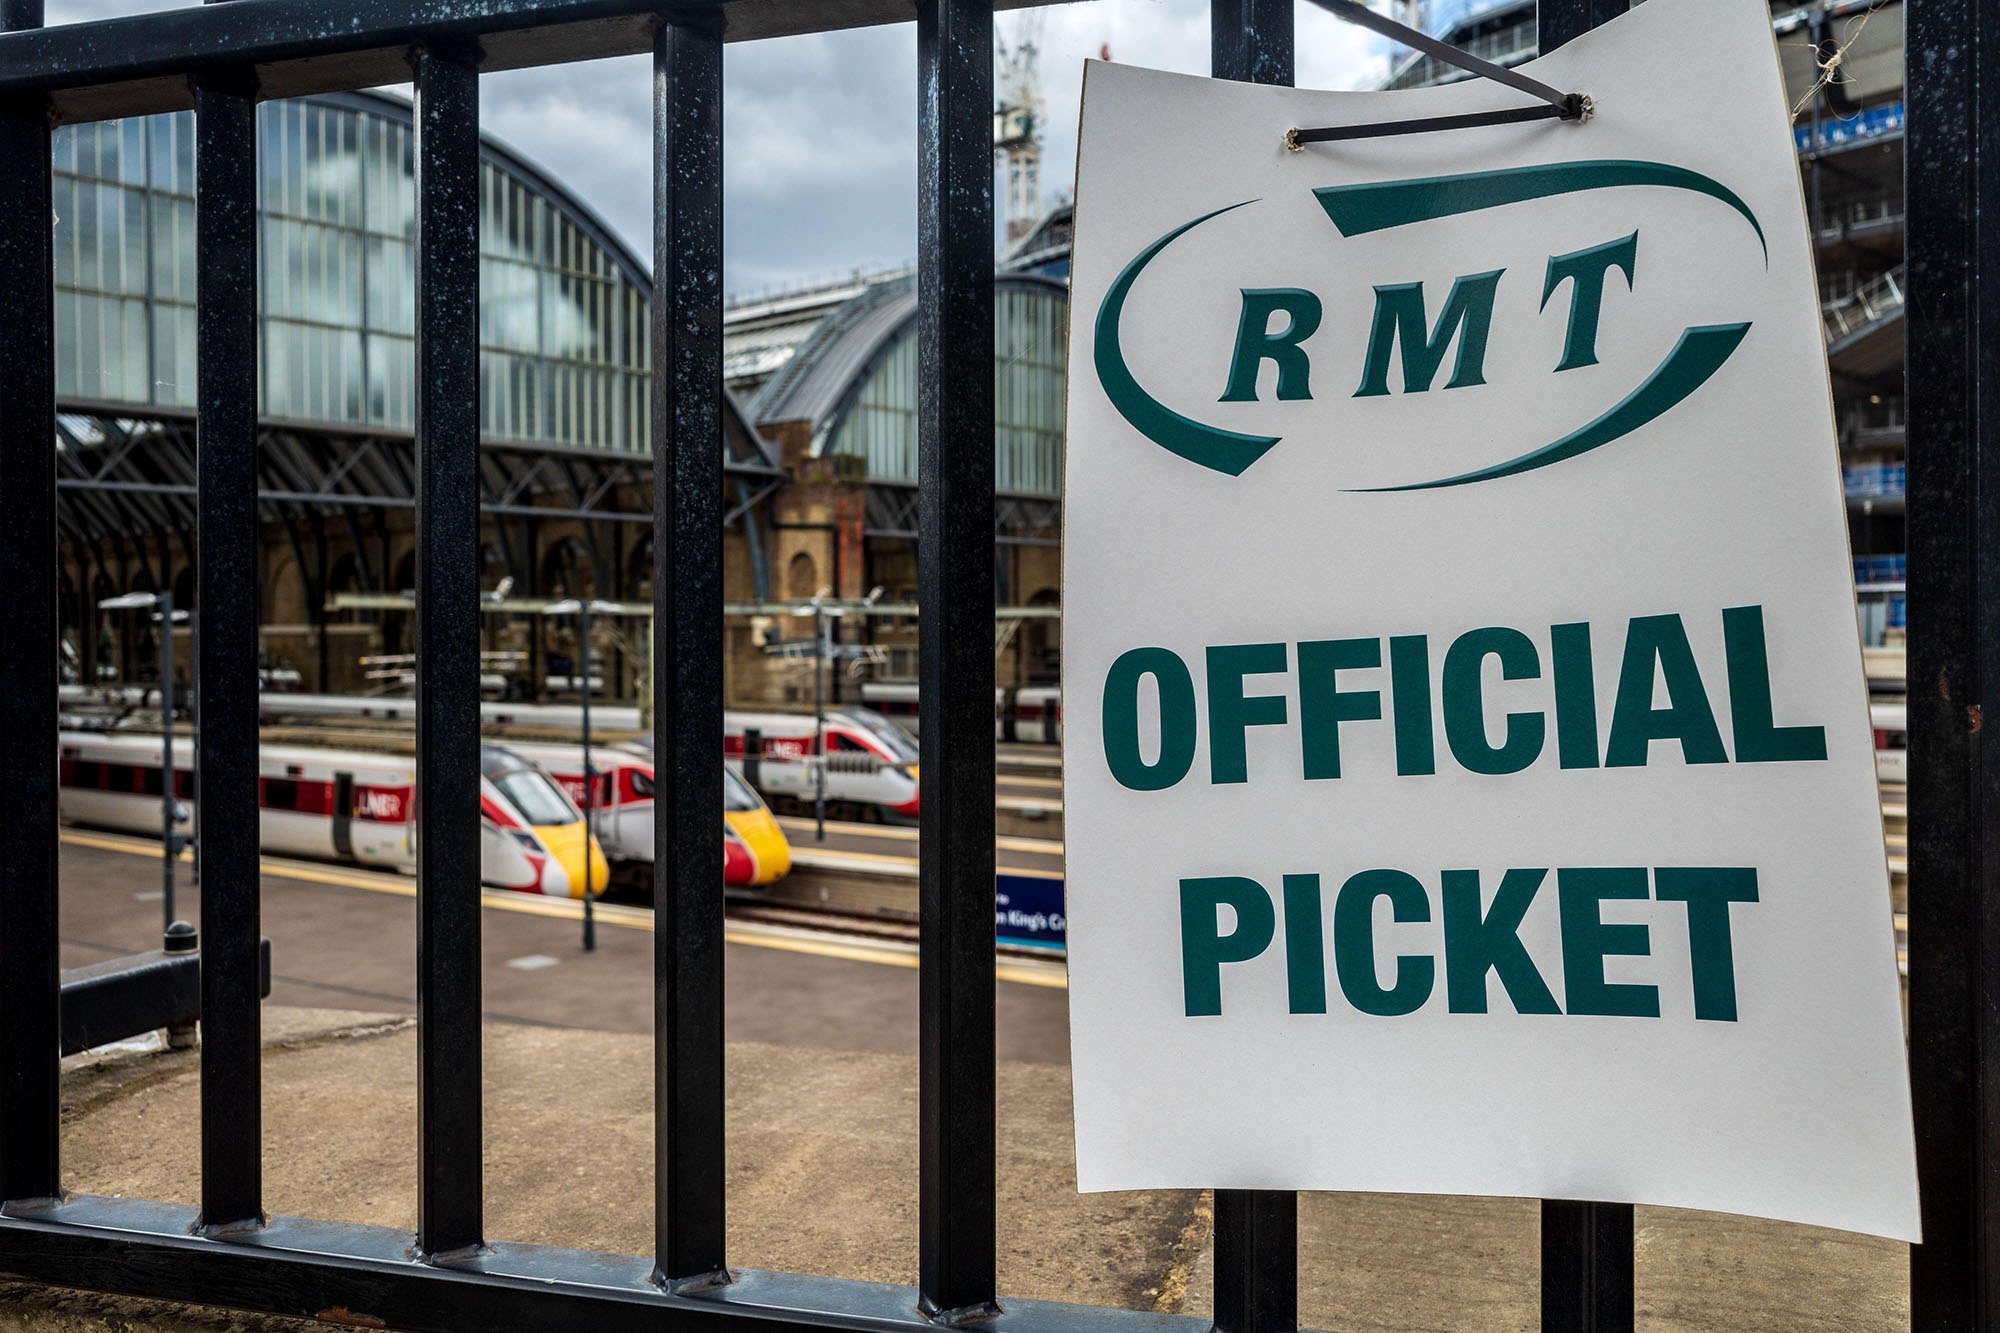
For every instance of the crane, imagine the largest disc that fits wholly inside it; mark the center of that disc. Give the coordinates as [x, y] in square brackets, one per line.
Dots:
[1411, 14]
[1017, 122]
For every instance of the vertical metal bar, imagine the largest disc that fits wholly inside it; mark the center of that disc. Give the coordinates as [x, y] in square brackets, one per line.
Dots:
[1251, 40]
[687, 658]
[1587, 1277]
[1256, 1261]
[819, 722]
[30, 1041]
[194, 728]
[449, 1189]
[1561, 21]
[1256, 1231]
[230, 544]
[955, 560]
[1586, 1267]
[169, 844]
[589, 786]
[1953, 387]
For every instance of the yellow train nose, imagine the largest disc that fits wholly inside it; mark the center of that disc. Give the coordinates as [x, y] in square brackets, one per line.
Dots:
[760, 833]
[569, 844]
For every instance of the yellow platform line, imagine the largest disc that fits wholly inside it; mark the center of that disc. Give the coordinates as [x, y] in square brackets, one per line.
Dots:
[755, 935]
[1029, 805]
[897, 833]
[881, 863]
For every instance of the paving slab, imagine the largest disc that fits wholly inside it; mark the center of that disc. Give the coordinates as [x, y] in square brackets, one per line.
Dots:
[1403, 1263]
[822, 1179]
[822, 1151]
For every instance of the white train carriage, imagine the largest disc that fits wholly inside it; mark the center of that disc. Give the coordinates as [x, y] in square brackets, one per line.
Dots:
[754, 850]
[897, 701]
[492, 713]
[351, 806]
[1027, 713]
[1037, 714]
[1891, 720]
[870, 763]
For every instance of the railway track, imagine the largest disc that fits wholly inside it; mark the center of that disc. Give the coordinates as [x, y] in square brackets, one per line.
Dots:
[837, 927]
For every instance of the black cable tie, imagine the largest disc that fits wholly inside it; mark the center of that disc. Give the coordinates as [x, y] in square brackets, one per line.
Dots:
[1575, 106]
[1561, 105]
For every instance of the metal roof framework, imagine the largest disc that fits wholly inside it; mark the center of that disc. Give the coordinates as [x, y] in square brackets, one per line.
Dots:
[824, 378]
[122, 476]
[1019, 519]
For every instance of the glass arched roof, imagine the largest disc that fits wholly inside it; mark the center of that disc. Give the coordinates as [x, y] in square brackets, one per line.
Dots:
[563, 305]
[855, 381]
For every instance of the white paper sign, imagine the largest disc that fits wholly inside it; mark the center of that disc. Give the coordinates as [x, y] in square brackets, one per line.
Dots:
[1470, 786]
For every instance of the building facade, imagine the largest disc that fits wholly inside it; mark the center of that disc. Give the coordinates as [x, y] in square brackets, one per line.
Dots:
[565, 457]
[1843, 69]
[820, 476]
[841, 410]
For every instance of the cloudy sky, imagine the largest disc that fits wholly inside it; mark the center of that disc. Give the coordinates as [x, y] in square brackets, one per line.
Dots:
[820, 132]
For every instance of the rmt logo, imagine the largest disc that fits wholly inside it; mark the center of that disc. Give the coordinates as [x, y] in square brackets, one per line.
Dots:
[1407, 346]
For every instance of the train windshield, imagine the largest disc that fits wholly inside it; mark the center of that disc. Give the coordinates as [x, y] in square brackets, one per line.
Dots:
[735, 796]
[538, 799]
[901, 745]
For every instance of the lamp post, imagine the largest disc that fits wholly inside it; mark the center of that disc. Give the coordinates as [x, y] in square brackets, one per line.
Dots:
[581, 609]
[821, 611]
[170, 843]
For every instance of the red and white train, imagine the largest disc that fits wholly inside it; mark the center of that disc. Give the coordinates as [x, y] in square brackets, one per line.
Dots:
[1891, 719]
[1028, 713]
[338, 805]
[871, 768]
[870, 763]
[754, 850]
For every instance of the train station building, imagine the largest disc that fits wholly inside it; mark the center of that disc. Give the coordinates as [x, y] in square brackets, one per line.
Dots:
[820, 437]
[819, 442]
[1843, 69]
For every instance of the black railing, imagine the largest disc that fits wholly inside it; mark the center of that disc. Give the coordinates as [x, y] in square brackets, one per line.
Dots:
[448, 1274]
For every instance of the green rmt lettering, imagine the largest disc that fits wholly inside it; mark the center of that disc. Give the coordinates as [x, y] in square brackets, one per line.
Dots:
[1399, 313]
[1587, 269]
[1256, 344]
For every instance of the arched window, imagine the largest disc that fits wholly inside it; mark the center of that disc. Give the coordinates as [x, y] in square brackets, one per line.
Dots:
[1041, 642]
[801, 577]
[566, 570]
[344, 576]
[639, 570]
[1030, 319]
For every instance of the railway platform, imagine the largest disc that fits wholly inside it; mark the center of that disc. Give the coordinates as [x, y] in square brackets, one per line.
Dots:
[344, 938]
[822, 1073]
[820, 1137]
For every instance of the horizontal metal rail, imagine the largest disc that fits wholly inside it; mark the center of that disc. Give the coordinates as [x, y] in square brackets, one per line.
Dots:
[122, 997]
[362, 1276]
[141, 65]
[1876, 299]
[344, 500]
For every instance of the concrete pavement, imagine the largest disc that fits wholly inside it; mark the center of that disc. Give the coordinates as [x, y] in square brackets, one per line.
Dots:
[822, 1150]
[822, 1179]
[822, 1147]
[343, 937]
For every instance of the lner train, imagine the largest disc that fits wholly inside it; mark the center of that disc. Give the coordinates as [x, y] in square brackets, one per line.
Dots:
[342, 805]
[871, 767]
[870, 763]
[1030, 713]
[1892, 738]
[754, 849]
